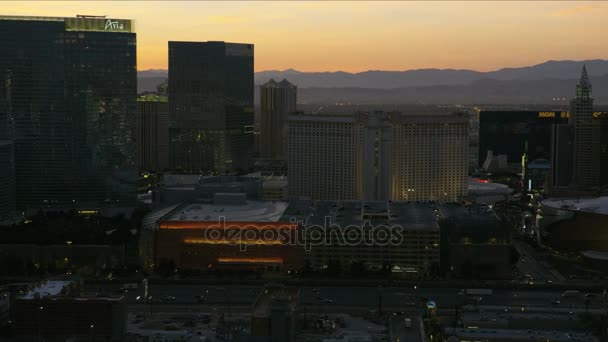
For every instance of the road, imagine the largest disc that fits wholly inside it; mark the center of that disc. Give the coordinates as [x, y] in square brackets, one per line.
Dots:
[399, 332]
[334, 299]
[530, 263]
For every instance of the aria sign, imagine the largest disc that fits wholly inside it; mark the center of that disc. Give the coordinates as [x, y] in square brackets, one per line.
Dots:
[98, 25]
[113, 25]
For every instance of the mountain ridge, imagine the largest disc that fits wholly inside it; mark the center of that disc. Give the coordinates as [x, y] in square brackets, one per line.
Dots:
[537, 84]
[565, 69]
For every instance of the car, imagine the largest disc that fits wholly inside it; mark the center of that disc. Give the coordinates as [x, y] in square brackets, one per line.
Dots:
[589, 295]
[556, 302]
[328, 301]
[570, 293]
[169, 298]
[549, 281]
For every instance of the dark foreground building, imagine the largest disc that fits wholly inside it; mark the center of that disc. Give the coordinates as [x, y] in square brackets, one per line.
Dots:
[152, 133]
[7, 182]
[68, 96]
[211, 107]
[277, 101]
[54, 310]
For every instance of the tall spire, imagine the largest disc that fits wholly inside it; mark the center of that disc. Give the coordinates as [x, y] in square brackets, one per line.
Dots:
[583, 88]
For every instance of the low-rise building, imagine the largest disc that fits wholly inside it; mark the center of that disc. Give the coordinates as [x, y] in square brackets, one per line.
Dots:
[229, 231]
[175, 188]
[475, 243]
[55, 309]
[274, 188]
[275, 314]
[378, 234]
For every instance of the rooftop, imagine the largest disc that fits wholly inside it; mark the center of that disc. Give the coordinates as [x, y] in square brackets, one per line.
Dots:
[476, 186]
[83, 23]
[48, 288]
[263, 304]
[249, 211]
[597, 255]
[596, 205]
[408, 215]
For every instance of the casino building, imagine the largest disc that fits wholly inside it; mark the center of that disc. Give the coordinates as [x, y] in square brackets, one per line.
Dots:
[509, 131]
[575, 224]
[228, 232]
[68, 92]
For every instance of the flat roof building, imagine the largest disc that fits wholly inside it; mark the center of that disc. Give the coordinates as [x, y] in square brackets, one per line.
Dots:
[275, 314]
[228, 232]
[55, 309]
[375, 234]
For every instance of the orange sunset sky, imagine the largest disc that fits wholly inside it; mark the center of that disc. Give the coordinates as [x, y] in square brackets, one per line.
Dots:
[364, 35]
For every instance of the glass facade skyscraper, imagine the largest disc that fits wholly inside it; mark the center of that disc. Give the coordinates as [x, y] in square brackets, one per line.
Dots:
[507, 132]
[211, 107]
[68, 100]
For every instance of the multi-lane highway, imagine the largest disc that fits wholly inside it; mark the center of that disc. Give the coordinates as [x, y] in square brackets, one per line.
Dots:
[345, 299]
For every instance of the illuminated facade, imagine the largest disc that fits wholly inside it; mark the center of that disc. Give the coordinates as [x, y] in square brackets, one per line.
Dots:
[211, 107]
[230, 232]
[278, 100]
[68, 92]
[429, 158]
[152, 133]
[378, 156]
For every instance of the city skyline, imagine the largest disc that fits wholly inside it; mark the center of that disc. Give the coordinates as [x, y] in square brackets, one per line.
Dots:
[359, 36]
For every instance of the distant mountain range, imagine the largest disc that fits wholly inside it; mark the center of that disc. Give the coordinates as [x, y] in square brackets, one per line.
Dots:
[534, 84]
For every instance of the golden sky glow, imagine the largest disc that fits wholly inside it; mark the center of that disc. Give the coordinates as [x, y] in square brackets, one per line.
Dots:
[363, 35]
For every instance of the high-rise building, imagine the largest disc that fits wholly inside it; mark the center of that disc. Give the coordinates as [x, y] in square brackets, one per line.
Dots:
[588, 131]
[377, 144]
[506, 132]
[562, 144]
[324, 157]
[210, 107]
[68, 89]
[429, 157]
[7, 181]
[378, 156]
[152, 133]
[278, 100]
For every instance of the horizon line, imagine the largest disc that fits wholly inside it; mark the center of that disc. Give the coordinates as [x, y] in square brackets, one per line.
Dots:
[418, 69]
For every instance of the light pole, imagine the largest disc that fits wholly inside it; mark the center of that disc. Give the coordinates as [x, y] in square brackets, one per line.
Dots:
[39, 313]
